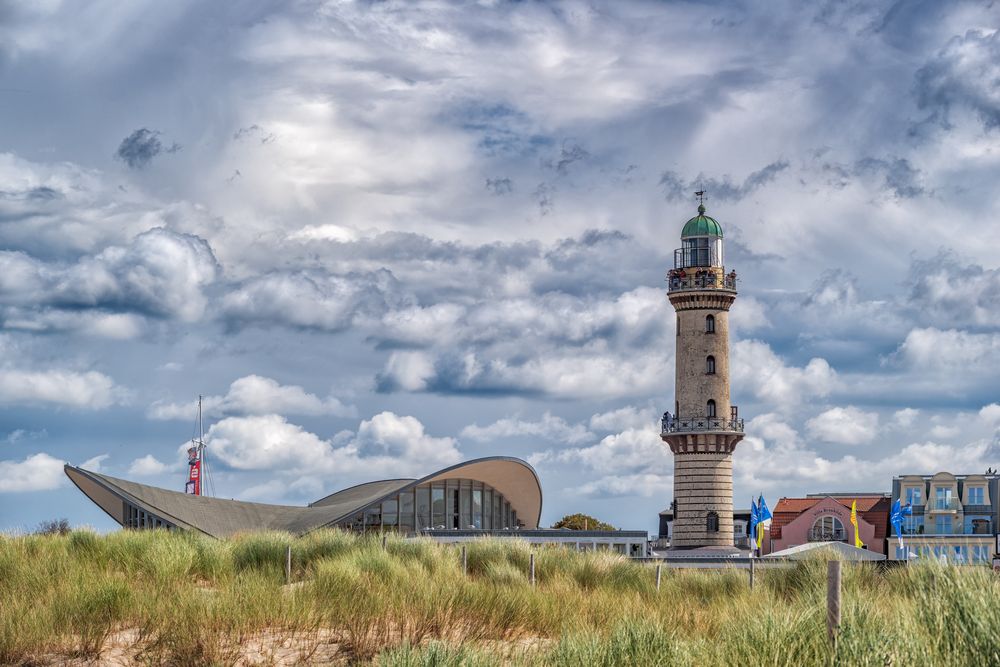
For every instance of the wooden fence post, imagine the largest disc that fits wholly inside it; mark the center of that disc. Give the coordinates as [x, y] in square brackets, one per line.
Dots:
[833, 600]
[659, 572]
[531, 566]
[465, 560]
[288, 564]
[751, 573]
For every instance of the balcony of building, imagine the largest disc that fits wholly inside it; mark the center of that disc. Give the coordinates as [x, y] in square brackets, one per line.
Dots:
[948, 504]
[685, 279]
[670, 425]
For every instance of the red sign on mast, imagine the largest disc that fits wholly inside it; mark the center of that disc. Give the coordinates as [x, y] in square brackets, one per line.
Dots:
[193, 485]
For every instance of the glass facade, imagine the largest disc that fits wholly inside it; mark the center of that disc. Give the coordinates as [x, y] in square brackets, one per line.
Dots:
[139, 519]
[451, 504]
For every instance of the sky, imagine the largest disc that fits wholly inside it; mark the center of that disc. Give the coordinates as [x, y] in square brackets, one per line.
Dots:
[381, 238]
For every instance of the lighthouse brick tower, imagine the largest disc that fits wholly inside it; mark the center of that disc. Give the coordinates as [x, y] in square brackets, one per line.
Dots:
[704, 427]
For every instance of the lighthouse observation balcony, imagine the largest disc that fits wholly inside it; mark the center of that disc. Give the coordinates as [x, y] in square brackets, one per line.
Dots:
[671, 425]
[680, 280]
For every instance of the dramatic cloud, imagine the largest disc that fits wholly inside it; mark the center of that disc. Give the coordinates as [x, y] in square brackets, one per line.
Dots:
[724, 189]
[79, 390]
[38, 472]
[465, 212]
[385, 445]
[160, 274]
[757, 369]
[138, 149]
[256, 395]
[845, 426]
[963, 74]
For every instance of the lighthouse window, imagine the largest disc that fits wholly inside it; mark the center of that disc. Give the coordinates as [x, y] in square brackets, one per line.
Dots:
[710, 324]
[710, 365]
[710, 409]
[713, 522]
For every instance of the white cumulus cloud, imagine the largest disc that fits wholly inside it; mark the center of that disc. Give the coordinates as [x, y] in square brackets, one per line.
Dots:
[845, 426]
[38, 472]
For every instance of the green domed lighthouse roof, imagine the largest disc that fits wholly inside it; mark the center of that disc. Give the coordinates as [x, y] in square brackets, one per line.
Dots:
[701, 225]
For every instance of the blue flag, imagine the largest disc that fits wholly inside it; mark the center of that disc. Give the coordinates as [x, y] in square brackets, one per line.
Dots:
[896, 515]
[763, 514]
[753, 519]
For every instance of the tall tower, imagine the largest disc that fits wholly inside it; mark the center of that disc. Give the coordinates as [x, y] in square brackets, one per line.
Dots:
[704, 427]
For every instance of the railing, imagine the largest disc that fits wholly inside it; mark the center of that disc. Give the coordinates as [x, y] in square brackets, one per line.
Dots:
[696, 424]
[834, 535]
[690, 281]
[943, 505]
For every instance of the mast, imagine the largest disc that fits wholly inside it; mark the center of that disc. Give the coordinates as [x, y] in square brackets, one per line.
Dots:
[196, 457]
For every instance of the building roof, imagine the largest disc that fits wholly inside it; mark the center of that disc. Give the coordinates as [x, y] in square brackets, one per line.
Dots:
[219, 517]
[701, 225]
[839, 549]
[799, 505]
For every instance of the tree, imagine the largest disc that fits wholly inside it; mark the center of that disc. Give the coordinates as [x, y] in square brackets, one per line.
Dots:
[53, 527]
[582, 522]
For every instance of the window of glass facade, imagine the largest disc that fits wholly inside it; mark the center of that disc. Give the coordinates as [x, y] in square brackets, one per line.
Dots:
[437, 506]
[465, 504]
[390, 513]
[487, 508]
[942, 525]
[901, 553]
[406, 511]
[914, 496]
[452, 496]
[423, 507]
[497, 505]
[976, 495]
[477, 507]
[980, 553]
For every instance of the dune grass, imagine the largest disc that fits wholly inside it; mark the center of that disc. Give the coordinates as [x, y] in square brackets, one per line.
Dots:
[192, 600]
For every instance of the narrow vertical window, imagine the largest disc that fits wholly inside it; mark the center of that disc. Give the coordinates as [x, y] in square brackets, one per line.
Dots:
[678, 325]
[710, 324]
[710, 409]
[710, 365]
[713, 522]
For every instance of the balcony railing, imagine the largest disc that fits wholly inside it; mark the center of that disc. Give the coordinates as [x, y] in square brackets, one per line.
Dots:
[689, 280]
[674, 425]
[831, 535]
[944, 505]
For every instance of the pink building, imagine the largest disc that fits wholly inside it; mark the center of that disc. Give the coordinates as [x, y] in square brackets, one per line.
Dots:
[827, 518]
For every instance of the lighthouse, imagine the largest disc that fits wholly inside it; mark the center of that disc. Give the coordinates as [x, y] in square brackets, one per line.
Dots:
[705, 426]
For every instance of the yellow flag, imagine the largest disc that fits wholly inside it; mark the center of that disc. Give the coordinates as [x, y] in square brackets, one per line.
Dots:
[760, 534]
[854, 522]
